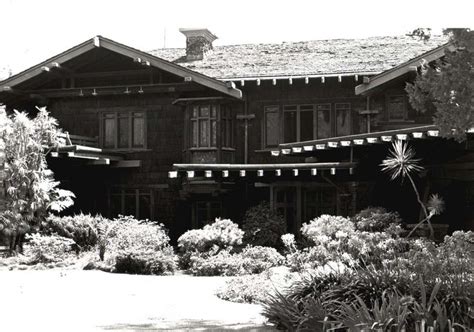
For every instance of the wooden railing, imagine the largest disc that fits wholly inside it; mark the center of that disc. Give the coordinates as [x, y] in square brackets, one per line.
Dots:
[79, 140]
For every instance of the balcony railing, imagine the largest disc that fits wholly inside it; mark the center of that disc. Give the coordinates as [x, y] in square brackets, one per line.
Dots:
[69, 139]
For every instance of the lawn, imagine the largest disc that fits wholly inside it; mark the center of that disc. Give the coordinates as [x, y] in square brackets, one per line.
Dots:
[71, 300]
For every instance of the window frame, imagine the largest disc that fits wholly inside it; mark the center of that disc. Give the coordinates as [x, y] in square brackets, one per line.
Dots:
[198, 119]
[130, 115]
[336, 109]
[122, 193]
[275, 109]
[405, 106]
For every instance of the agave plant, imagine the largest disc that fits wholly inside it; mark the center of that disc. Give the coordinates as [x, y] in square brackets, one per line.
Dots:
[401, 162]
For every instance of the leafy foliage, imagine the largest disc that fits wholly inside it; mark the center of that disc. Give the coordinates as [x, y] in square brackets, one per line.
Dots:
[263, 226]
[31, 189]
[425, 282]
[376, 219]
[447, 87]
[47, 248]
[223, 234]
[146, 262]
[82, 228]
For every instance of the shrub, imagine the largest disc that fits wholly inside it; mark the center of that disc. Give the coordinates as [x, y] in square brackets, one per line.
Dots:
[263, 226]
[82, 228]
[375, 219]
[47, 248]
[250, 261]
[258, 259]
[149, 262]
[223, 234]
[135, 246]
[404, 282]
[221, 264]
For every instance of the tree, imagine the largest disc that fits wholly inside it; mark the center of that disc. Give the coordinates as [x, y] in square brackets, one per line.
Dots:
[447, 87]
[401, 163]
[30, 187]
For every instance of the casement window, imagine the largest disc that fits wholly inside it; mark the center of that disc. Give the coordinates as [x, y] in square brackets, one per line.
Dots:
[204, 126]
[227, 132]
[205, 212]
[271, 126]
[343, 119]
[129, 201]
[396, 108]
[123, 130]
[306, 122]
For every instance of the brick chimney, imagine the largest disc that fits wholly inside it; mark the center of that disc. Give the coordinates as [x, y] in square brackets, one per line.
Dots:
[198, 43]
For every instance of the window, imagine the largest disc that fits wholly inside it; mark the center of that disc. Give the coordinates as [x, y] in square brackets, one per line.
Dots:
[128, 201]
[205, 212]
[324, 120]
[123, 130]
[397, 108]
[204, 126]
[343, 119]
[226, 126]
[271, 128]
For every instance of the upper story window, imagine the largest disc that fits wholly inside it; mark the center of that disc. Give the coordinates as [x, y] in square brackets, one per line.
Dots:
[396, 108]
[123, 130]
[271, 126]
[211, 125]
[204, 126]
[343, 119]
[305, 122]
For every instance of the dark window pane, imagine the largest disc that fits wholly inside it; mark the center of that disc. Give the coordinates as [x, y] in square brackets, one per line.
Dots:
[109, 132]
[289, 126]
[213, 133]
[123, 132]
[138, 132]
[271, 128]
[306, 125]
[203, 133]
[324, 120]
[195, 133]
[213, 111]
[130, 203]
[204, 111]
[115, 205]
[343, 123]
[396, 108]
[195, 111]
[144, 206]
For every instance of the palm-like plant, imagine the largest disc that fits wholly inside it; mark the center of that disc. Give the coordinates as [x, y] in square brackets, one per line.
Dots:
[401, 162]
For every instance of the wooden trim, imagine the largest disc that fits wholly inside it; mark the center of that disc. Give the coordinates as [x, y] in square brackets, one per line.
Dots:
[323, 165]
[101, 42]
[404, 68]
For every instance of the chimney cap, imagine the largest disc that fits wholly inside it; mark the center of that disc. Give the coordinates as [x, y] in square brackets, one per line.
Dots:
[198, 32]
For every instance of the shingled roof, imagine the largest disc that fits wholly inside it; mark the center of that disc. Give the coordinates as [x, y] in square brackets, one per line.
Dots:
[319, 57]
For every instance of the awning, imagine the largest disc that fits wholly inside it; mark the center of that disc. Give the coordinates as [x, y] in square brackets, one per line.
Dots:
[357, 140]
[243, 170]
[93, 156]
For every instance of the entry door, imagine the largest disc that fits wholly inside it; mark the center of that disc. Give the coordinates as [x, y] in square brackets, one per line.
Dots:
[285, 204]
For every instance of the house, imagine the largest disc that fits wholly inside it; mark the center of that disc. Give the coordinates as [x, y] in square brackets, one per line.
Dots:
[185, 135]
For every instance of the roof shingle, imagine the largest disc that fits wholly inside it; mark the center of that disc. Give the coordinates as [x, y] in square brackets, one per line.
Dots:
[319, 57]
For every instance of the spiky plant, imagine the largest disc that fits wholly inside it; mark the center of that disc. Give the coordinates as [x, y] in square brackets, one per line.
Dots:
[401, 163]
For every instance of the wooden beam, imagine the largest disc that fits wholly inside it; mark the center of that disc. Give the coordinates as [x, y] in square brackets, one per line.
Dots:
[113, 90]
[126, 164]
[402, 69]
[242, 173]
[225, 173]
[190, 174]
[295, 172]
[99, 162]
[260, 172]
[297, 149]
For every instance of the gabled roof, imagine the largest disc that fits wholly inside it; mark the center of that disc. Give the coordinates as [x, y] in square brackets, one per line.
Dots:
[102, 42]
[402, 69]
[335, 56]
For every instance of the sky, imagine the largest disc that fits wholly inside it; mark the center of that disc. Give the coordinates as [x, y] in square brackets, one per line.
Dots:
[34, 30]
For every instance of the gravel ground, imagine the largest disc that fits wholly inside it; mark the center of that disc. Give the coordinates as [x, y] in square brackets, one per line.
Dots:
[69, 300]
